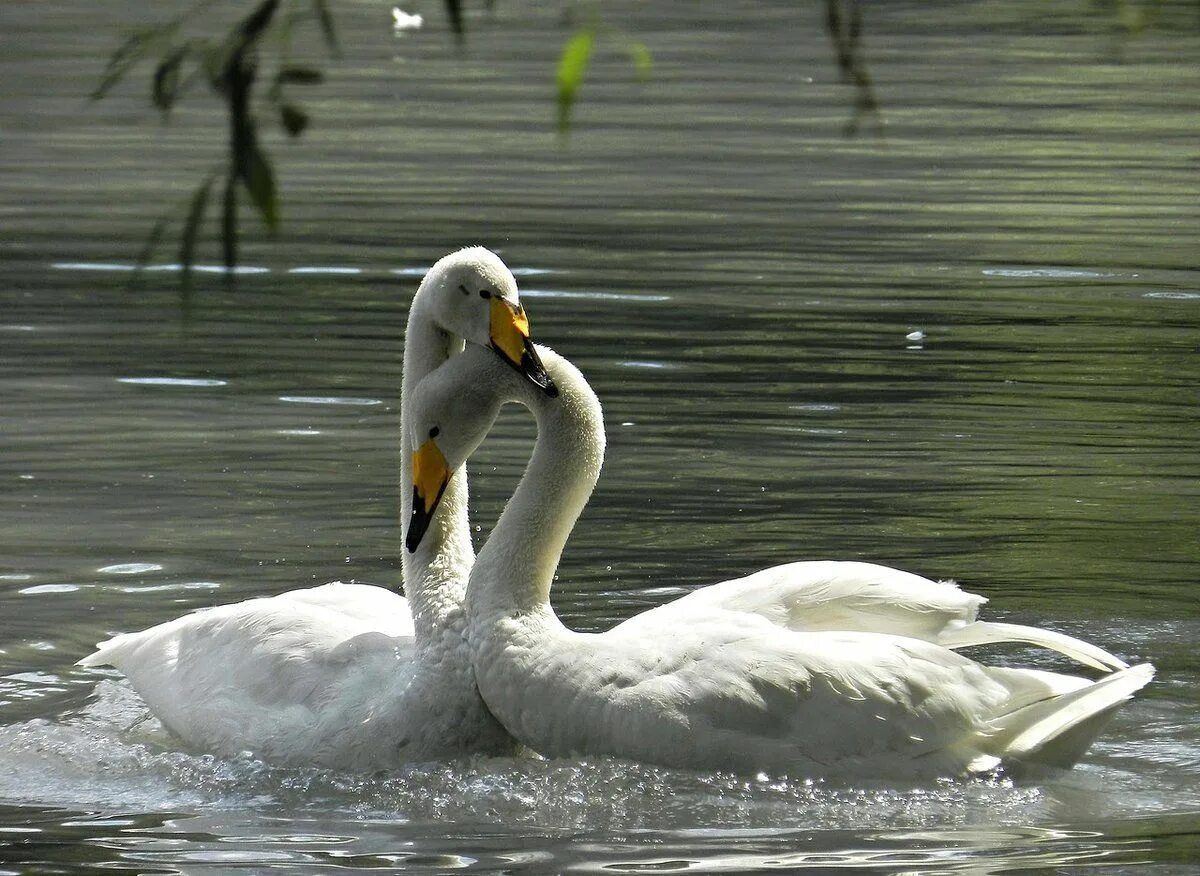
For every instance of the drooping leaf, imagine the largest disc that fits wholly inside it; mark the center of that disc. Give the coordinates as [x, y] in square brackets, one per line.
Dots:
[191, 225]
[572, 66]
[138, 45]
[229, 224]
[152, 240]
[325, 17]
[260, 183]
[257, 21]
[294, 119]
[166, 78]
[643, 64]
[301, 75]
[454, 13]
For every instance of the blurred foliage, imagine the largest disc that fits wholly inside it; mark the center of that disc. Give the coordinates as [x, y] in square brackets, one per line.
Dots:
[232, 65]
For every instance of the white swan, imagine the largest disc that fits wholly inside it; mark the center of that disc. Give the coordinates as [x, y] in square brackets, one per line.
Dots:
[829, 670]
[349, 675]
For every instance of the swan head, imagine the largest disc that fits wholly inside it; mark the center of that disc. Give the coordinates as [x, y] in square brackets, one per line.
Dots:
[473, 295]
[452, 411]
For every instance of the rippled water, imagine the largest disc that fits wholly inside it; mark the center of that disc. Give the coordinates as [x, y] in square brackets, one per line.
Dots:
[967, 347]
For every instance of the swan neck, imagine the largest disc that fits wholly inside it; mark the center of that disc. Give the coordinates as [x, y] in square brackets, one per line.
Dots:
[435, 574]
[515, 569]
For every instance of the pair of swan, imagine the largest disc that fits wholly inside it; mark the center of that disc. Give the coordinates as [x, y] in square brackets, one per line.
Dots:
[349, 675]
[811, 669]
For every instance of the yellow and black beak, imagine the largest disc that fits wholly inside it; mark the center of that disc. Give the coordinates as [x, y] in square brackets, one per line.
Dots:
[430, 474]
[510, 338]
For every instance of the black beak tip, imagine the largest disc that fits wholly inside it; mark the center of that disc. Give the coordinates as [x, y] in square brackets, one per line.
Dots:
[417, 524]
[532, 367]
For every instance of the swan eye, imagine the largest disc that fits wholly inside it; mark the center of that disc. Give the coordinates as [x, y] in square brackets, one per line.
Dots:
[463, 289]
[434, 432]
[485, 293]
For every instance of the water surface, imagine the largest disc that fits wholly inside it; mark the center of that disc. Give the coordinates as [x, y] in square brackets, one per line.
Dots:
[965, 346]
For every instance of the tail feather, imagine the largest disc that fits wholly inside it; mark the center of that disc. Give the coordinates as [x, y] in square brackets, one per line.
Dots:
[984, 633]
[107, 652]
[1056, 731]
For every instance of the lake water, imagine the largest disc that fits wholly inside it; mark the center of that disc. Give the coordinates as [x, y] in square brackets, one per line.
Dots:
[965, 342]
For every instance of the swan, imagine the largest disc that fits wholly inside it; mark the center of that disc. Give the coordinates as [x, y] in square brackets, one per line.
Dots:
[822, 670]
[350, 675]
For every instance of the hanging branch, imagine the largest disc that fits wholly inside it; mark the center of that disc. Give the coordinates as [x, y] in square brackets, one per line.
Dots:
[846, 36]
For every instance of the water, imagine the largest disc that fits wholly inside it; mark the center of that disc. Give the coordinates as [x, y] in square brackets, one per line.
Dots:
[966, 347]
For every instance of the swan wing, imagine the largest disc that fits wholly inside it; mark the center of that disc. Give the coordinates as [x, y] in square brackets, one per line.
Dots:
[830, 595]
[280, 676]
[748, 696]
[864, 597]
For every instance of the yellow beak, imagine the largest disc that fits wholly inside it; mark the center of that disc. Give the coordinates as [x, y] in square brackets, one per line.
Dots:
[430, 474]
[509, 334]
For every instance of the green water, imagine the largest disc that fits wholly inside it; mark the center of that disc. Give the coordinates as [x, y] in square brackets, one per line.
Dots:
[738, 281]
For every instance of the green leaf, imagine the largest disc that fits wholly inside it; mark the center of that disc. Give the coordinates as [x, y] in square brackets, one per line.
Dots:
[325, 17]
[260, 183]
[643, 64]
[191, 225]
[572, 66]
[166, 78]
[301, 75]
[294, 119]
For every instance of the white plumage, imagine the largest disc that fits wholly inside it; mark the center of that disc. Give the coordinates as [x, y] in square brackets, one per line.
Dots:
[831, 670]
[348, 675]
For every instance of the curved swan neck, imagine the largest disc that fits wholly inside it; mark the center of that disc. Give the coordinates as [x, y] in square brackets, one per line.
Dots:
[514, 570]
[435, 575]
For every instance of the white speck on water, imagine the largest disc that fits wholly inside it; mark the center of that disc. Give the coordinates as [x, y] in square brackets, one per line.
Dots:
[815, 407]
[1046, 273]
[130, 568]
[325, 269]
[1173, 296]
[172, 381]
[915, 336]
[49, 588]
[594, 296]
[166, 588]
[328, 400]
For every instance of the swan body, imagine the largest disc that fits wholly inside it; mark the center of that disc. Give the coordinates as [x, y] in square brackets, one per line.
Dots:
[821, 670]
[349, 675]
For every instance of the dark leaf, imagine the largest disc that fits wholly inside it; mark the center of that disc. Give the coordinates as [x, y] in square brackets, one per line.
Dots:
[454, 13]
[571, 69]
[254, 25]
[191, 225]
[325, 17]
[127, 55]
[260, 183]
[152, 241]
[294, 119]
[166, 78]
[301, 75]
[229, 224]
